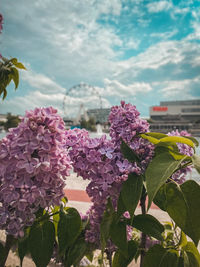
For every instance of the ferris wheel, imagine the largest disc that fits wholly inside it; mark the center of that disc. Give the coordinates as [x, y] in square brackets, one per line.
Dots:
[78, 99]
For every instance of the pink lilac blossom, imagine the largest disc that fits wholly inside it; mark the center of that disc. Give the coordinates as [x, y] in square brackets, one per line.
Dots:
[180, 175]
[33, 164]
[101, 161]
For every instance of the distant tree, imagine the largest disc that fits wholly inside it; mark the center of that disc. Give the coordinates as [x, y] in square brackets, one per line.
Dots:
[12, 121]
[89, 125]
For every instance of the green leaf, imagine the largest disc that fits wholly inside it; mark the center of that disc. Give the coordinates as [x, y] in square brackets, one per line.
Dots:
[151, 139]
[128, 153]
[196, 162]
[149, 225]
[15, 76]
[69, 228]
[105, 225]
[2, 254]
[192, 261]
[19, 65]
[157, 256]
[119, 236]
[23, 249]
[41, 243]
[158, 171]
[154, 256]
[185, 260]
[191, 248]
[160, 139]
[183, 240]
[131, 192]
[181, 262]
[120, 206]
[191, 192]
[76, 252]
[170, 259]
[156, 135]
[120, 260]
[182, 204]
[177, 139]
[194, 140]
[4, 93]
[160, 198]
[13, 60]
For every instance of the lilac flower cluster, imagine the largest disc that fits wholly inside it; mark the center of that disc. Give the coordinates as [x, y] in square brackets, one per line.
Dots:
[95, 159]
[33, 163]
[126, 124]
[180, 175]
[101, 161]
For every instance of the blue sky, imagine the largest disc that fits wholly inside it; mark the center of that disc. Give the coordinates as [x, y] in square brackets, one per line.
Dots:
[140, 51]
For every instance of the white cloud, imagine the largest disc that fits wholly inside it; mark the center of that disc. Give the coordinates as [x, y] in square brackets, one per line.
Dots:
[116, 88]
[18, 105]
[180, 89]
[162, 54]
[153, 58]
[155, 7]
[112, 6]
[42, 82]
[73, 42]
[196, 32]
[164, 35]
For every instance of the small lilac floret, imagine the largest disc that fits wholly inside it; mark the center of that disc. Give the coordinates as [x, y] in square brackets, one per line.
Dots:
[33, 163]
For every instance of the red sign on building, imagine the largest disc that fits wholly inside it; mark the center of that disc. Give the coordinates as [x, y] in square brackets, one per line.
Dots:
[160, 108]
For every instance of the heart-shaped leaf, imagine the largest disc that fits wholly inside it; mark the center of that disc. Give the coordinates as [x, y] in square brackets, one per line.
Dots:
[41, 243]
[149, 225]
[69, 227]
[131, 192]
[119, 236]
[120, 260]
[158, 171]
[157, 256]
[182, 204]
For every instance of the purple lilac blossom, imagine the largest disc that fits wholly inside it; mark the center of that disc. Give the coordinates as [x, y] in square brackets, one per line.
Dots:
[126, 124]
[180, 175]
[101, 161]
[33, 164]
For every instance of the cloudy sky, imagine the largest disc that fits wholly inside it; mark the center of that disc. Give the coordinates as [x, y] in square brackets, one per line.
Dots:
[141, 51]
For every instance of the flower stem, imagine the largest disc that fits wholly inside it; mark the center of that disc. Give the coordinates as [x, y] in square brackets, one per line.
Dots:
[143, 238]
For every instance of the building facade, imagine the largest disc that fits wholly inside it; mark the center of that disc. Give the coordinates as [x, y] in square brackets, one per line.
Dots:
[171, 115]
